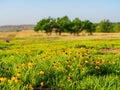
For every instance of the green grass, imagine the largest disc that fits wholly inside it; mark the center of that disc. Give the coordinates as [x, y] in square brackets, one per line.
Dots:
[61, 64]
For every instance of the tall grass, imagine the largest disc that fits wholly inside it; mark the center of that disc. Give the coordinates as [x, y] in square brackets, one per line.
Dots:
[53, 63]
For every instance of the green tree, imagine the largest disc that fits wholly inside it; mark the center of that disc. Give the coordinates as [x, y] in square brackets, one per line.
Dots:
[89, 26]
[104, 26]
[57, 26]
[62, 24]
[76, 26]
[116, 27]
[45, 24]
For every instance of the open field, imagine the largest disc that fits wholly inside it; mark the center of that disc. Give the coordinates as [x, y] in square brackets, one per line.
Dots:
[36, 61]
[29, 33]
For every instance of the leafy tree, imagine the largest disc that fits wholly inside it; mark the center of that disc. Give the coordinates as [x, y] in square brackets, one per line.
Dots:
[76, 26]
[105, 26]
[45, 24]
[116, 27]
[62, 24]
[89, 26]
[57, 26]
[39, 25]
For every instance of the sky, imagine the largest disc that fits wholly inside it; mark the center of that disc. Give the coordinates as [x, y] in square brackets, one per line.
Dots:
[16, 12]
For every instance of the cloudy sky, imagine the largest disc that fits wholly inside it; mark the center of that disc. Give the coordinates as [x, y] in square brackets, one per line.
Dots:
[14, 12]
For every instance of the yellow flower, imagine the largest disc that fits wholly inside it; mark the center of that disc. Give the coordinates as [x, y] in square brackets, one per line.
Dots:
[67, 61]
[97, 67]
[113, 62]
[18, 74]
[42, 83]
[30, 64]
[97, 62]
[16, 80]
[23, 64]
[103, 61]
[2, 78]
[74, 58]
[13, 78]
[9, 80]
[86, 61]
[69, 79]
[31, 87]
[42, 72]
[17, 68]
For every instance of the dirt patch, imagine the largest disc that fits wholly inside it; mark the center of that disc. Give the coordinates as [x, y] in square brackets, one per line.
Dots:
[5, 39]
[113, 50]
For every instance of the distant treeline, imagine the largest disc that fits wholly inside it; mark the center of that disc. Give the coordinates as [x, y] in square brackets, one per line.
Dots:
[12, 28]
[64, 24]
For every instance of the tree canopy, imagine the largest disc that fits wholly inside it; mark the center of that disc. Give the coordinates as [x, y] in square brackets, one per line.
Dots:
[105, 26]
[64, 24]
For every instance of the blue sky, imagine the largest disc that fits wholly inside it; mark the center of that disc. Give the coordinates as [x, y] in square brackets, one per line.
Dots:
[31, 11]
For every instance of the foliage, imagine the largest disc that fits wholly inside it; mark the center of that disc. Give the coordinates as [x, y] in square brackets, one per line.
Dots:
[50, 63]
[45, 24]
[76, 26]
[116, 27]
[104, 26]
[89, 26]
[64, 24]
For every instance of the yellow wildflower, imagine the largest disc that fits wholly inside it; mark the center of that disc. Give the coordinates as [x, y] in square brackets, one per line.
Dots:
[2, 78]
[17, 68]
[13, 78]
[23, 64]
[16, 80]
[18, 74]
[69, 79]
[42, 83]
[86, 61]
[30, 64]
[97, 67]
[42, 72]
[97, 62]
[9, 80]
[31, 87]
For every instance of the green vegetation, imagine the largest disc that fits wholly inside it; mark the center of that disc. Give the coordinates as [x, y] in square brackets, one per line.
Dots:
[105, 26]
[60, 64]
[75, 26]
[64, 24]
[116, 27]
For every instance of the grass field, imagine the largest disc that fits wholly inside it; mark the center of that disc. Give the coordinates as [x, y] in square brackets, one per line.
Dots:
[60, 62]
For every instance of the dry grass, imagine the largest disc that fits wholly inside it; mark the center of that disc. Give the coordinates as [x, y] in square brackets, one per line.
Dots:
[31, 33]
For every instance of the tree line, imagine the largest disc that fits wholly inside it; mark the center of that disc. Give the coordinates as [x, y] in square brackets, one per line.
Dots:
[75, 27]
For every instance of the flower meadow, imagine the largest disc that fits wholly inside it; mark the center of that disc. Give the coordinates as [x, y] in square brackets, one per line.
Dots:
[53, 63]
